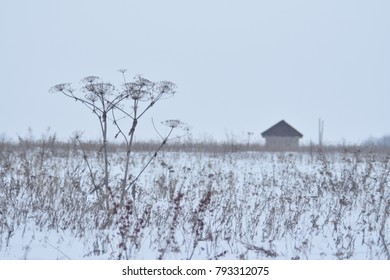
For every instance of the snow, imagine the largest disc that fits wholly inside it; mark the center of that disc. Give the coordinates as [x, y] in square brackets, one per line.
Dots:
[252, 205]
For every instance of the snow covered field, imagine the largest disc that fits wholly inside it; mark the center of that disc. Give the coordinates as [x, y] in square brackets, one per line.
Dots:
[253, 205]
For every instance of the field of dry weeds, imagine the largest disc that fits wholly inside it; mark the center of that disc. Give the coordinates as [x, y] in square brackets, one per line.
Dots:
[188, 205]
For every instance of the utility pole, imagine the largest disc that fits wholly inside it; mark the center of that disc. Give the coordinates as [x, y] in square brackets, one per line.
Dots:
[250, 134]
[320, 132]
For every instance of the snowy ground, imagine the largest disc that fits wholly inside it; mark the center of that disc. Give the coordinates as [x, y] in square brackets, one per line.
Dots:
[197, 206]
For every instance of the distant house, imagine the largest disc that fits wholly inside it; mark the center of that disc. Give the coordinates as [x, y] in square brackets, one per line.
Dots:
[282, 136]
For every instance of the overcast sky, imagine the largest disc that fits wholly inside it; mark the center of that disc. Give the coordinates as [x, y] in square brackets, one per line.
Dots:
[240, 66]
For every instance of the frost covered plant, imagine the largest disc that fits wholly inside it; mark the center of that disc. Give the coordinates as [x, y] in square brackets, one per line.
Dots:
[117, 106]
[174, 123]
[96, 99]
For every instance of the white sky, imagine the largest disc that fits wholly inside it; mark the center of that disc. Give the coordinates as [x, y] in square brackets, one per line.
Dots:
[239, 66]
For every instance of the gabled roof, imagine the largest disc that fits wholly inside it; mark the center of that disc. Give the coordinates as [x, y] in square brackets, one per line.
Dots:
[282, 129]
